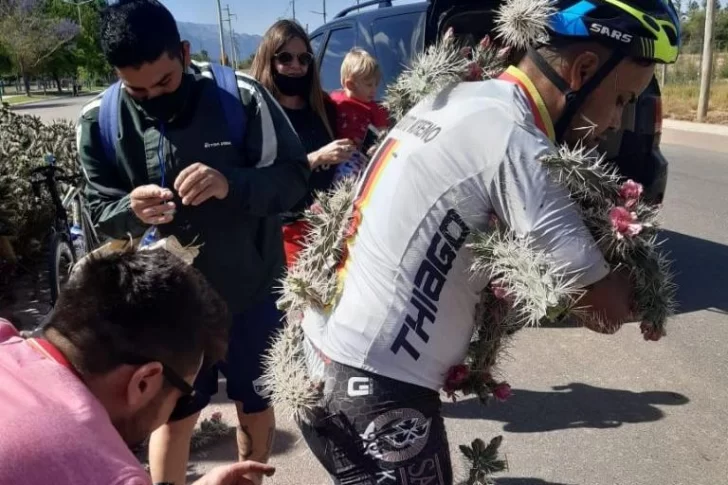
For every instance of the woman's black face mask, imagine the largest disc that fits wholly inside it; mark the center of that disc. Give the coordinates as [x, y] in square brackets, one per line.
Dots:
[293, 85]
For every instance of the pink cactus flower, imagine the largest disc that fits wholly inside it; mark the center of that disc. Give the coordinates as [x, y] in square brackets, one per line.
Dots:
[485, 42]
[624, 222]
[502, 391]
[630, 192]
[456, 377]
[474, 73]
[216, 416]
[499, 290]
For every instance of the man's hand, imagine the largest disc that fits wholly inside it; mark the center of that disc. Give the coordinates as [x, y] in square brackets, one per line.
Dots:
[152, 204]
[610, 301]
[198, 183]
[241, 473]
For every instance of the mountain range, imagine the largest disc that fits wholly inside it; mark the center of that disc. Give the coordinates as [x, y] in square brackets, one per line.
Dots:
[207, 37]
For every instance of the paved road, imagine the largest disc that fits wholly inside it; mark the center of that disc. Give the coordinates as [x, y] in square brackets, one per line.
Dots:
[607, 410]
[600, 410]
[67, 108]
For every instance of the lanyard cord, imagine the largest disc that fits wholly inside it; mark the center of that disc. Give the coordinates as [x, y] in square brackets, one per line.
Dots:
[160, 154]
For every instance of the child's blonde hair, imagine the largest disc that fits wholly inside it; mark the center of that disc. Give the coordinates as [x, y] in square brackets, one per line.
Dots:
[359, 64]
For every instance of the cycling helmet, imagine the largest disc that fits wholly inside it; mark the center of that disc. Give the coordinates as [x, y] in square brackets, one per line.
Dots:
[643, 29]
[647, 30]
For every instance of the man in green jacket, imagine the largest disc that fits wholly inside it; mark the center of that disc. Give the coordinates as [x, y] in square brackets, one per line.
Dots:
[175, 167]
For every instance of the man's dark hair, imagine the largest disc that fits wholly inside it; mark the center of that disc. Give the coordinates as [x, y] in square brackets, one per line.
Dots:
[135, 32]
[148, 303]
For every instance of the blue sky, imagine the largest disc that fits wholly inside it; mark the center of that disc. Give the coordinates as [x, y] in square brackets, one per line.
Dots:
[255, 16]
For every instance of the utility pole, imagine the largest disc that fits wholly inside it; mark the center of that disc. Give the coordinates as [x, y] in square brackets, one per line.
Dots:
[222, 39]
[293, 7]
[322, 13]
[233, 58]
[707, 62]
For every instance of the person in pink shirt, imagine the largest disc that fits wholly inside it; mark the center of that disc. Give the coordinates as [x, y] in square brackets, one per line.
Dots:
[124, 343]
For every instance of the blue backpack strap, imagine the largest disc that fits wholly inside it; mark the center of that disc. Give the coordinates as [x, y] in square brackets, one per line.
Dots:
[232, 105]
[109, 120]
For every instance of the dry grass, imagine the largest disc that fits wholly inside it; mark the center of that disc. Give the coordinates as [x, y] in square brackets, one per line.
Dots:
[680, 101]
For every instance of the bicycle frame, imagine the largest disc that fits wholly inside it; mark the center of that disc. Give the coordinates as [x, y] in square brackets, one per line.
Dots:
[74, 195]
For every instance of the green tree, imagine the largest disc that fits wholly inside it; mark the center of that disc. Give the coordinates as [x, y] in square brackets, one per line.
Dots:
[31, 35]
[86, 51]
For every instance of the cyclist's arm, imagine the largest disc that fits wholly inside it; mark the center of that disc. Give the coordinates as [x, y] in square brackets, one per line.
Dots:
[530, 203]
[279, 179]
[106, 193]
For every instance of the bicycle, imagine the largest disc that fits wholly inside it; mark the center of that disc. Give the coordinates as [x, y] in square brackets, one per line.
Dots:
[69, 240]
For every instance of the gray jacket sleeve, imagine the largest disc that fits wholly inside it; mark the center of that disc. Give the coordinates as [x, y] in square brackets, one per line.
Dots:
[106, 193]
[280, 176]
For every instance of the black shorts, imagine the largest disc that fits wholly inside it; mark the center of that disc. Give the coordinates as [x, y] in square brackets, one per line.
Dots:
[250, 337]
[374, 430]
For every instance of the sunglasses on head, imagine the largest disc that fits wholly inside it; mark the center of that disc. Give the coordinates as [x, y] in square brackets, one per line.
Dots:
[286, 58]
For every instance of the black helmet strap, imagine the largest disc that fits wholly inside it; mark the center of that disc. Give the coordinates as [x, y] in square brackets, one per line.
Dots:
[574, 99]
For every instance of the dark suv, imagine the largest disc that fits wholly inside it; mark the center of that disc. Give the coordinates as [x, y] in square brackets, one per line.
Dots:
[395, 34]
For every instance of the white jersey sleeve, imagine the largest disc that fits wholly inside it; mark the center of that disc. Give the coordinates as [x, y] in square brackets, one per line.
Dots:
[530, 203]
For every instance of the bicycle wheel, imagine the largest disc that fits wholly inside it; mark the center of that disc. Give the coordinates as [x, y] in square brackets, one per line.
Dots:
[60, 265]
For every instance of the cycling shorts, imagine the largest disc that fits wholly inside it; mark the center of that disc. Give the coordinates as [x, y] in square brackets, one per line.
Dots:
[370, 429]
[249, 339]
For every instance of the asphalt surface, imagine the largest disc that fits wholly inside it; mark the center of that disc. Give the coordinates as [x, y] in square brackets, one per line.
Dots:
[590, 409]
[52, 109]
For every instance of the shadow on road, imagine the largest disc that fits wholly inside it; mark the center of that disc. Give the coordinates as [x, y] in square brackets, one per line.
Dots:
[701, 269]
[525, 481]
[572, 406]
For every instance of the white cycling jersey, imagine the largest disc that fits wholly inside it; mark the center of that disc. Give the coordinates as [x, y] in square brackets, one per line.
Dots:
[407, 302]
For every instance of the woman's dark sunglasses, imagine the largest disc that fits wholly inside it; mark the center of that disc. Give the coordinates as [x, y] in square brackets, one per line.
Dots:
[286, 58]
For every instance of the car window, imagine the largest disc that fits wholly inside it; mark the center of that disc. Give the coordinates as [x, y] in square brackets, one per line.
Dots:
[396, 40]
[316, 41]
[340, 42]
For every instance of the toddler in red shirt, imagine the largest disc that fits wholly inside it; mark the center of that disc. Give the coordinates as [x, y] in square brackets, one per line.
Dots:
[356, 109]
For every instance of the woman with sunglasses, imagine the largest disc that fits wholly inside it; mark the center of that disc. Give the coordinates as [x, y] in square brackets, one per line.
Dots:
[284, 64]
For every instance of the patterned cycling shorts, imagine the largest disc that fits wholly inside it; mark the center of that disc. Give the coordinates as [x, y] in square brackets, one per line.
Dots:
[372, 430]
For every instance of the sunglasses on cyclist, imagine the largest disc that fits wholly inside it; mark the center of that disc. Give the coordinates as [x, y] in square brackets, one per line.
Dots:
[286, 58]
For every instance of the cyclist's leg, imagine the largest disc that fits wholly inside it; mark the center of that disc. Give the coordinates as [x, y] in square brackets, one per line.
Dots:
[374, 430]
[250, 338]
[169, 445]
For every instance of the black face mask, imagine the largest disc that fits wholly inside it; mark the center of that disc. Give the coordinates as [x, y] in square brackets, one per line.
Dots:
[293, 86]
[166, 106]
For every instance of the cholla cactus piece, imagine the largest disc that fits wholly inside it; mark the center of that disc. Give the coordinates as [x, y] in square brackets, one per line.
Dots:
[585, 173]
[310, 283]
[490, 61]
[539, 288]
[440, 65]
[312, 280]
[524, 23]
[24, 142]
[286, 377]
[655, 289]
